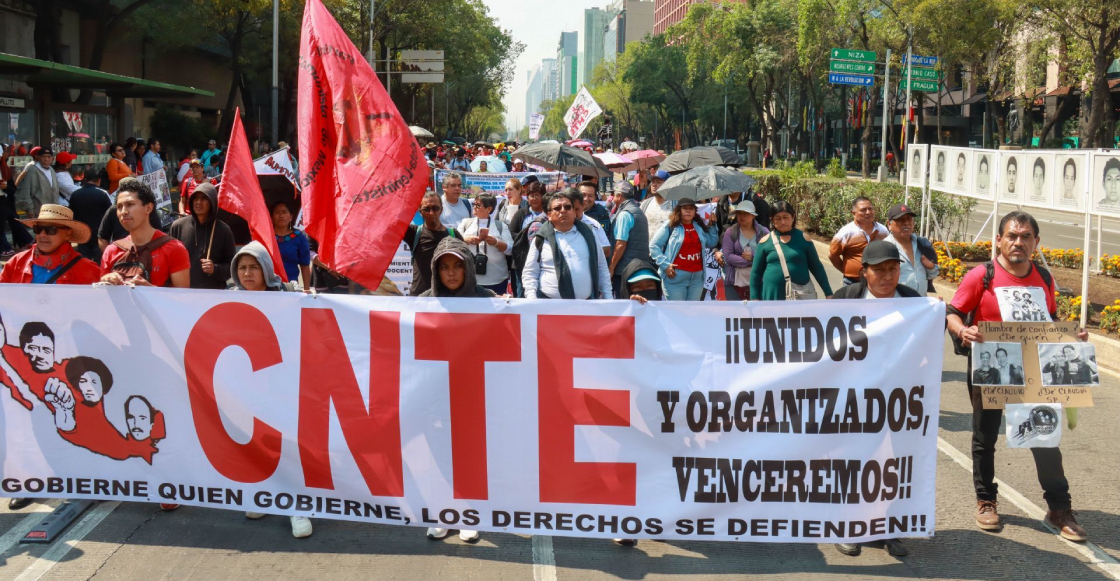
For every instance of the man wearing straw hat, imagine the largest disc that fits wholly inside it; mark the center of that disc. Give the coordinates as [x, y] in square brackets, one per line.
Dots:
[53, 260]
[209, 241]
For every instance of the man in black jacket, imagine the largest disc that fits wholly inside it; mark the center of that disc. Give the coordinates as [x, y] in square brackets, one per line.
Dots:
[878, 280]
[89, 204]
[209, 241]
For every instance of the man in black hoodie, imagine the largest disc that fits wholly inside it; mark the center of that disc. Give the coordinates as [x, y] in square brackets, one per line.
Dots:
[209, 241]
[640, 282]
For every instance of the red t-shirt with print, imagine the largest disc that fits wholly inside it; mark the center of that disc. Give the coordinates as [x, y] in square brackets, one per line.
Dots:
[170, 258]
[971, 295]
[691, 256]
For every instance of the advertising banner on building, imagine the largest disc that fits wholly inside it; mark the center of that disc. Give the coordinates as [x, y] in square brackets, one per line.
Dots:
[778, 422]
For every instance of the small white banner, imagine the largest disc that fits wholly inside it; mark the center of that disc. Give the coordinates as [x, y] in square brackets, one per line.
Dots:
[535, 122]
[580, 114]
[277, 163]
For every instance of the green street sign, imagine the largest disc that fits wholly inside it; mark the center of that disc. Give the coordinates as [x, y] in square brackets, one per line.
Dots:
[916, 85]
[847, 54]
[920, 73]
[847, 67]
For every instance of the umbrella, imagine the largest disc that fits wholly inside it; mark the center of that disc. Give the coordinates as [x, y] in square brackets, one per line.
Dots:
[645, 158]
[700, 157]
[580, 143]
[482, 143]
[563, 158]
[419, 131]
[493, 164]
[616, 162]
[705, 182]
[549, 141]
[449, 142]
[628, 145]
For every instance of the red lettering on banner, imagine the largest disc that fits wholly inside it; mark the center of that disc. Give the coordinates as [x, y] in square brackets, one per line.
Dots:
[466, 342]
[231, 325]
[326, 375]
[562, 406]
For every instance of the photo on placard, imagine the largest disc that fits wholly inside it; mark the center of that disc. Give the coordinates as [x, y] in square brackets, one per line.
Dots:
[1106, 184]
[1011, 187]
[939, 171]
[982, 185]
[960, 172]
[1068, 364]
[997, 364]
[1023, 304]
[1033, 425]
[1070, 189]
[916, 168]
[1039, 189]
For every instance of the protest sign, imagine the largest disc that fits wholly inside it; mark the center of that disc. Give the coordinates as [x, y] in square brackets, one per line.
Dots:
[1009, 365]
[400, 270]
[475, 183]
[535, 122]
[580, 114]
[809, 422]
[157, 182]
[277, 163]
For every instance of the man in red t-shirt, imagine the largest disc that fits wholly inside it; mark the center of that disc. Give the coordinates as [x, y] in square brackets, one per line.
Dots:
[147, 257]
[1014, 293]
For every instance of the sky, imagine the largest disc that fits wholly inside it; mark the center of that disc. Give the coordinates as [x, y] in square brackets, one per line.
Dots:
[537, 24]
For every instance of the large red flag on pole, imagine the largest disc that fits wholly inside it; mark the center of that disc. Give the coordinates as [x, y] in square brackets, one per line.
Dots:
[240, 193]
[363, 174]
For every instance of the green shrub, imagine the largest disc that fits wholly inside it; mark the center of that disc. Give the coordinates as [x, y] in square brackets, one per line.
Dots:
[824, 203]
[835, 170]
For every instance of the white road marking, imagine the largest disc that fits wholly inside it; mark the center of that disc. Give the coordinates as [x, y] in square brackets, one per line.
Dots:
[1096, 556]
[63, 545]
[544, 561]
[14, 534]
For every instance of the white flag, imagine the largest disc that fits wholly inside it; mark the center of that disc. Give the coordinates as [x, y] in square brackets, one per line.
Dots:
[277, 163]
[535, 122]
[582, 111]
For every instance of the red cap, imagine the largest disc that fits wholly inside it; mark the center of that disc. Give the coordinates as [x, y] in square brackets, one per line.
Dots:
[65, 157]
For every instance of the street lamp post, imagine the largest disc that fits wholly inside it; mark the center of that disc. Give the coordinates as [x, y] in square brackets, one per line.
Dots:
[275, 71]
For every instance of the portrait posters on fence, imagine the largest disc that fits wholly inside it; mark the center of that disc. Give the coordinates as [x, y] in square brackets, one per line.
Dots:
[1011, 183]
[1106, 184]
[1011, 364]
[982, 182]
[815, 422]
[1070, 188]
[1039, 186]
[916, 168]
[960, 172]
[939, 173]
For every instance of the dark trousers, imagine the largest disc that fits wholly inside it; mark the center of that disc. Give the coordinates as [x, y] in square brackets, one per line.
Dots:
[20, 236]
[1047, 461]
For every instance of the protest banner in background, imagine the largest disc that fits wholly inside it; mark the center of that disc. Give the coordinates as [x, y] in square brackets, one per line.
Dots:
[580, 114]
[475, 183]
[277, 163]
[535, 122]
[400, 270]
[157, 182]
[808, 422]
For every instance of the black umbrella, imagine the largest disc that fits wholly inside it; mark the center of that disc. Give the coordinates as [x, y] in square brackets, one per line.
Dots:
[557, 156]
[482, 143]
[687, 159]
[705, 182]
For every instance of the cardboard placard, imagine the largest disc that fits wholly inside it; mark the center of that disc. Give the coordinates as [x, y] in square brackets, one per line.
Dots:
[1026, 382]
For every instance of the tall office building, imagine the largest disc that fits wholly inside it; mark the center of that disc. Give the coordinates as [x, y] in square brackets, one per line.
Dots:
[534, 92]
[567, 51]
[595, 22]
[632, 22]
[550, 79]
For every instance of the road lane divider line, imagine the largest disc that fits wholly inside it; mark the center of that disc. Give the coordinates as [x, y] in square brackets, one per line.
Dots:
[544, 560]
[14, 534]
[62, 546]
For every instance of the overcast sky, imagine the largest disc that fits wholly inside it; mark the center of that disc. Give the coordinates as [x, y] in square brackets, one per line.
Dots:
[537, 24]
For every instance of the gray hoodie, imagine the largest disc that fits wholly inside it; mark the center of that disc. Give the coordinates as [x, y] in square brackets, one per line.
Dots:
[260, 253]
[470, 288]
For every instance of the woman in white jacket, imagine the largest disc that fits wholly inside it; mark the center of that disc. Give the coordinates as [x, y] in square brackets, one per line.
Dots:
[487, 236]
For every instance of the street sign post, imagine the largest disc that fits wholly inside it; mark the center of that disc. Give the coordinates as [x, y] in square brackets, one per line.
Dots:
[920, 85]
[847, 54]
[921, 73]
[923, 61]
[857, 80]
[850, 67]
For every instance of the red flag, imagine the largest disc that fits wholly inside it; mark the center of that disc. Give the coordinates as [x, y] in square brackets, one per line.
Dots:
[240, 193]
[363, 172]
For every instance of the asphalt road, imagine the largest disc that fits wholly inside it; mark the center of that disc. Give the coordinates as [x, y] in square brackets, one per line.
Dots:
[1057, 229]
[138, 541]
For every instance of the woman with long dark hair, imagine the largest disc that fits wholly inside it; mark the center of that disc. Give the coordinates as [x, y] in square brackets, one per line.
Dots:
[678, 250]
[785, 259]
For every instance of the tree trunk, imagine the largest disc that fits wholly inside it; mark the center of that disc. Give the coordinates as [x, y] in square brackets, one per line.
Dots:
[1051, 120]
[1095, 132]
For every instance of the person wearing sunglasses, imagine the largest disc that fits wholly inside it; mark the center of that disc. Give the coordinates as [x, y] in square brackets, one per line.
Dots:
[117, 169]
[422, 241]
[53, 259]
[565, 261]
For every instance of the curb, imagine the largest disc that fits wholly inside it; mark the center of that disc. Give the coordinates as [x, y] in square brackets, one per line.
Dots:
[1108, 349]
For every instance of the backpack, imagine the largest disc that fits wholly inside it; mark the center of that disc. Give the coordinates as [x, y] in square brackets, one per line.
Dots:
[137, 260]
[970, 318]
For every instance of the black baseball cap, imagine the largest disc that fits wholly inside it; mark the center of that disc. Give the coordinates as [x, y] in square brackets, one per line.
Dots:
[899, 210]
[880, 251]
[686, 202]
[45, 150]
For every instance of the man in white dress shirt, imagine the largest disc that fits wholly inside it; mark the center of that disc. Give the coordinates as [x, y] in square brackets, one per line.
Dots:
[564, 261]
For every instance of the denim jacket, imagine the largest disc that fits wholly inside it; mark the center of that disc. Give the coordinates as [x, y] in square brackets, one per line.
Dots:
[666, 244]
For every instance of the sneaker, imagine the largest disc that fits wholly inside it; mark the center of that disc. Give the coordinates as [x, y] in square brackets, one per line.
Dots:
[468, 536]
[1064, 520]
[626, 542]
[168, 507]
[987, 517]
[301, 527]
[254, 515]
[849, 549]
[18, 503]
[895, 548]
[435, 534]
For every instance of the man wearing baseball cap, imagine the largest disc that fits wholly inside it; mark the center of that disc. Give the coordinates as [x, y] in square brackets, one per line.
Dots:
[878, 280]
[38, 184]
[65, 172]
[916, 269]
[631, 233]
[655, 207]
[53, 259]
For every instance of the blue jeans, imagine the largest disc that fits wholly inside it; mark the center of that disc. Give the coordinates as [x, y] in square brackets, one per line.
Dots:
[515, 279]
[686, 286]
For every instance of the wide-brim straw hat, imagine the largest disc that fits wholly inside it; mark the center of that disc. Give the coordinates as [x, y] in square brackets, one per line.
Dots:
[55, 215]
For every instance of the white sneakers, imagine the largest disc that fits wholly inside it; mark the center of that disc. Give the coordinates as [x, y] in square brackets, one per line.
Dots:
[301, 525]
[464, 535]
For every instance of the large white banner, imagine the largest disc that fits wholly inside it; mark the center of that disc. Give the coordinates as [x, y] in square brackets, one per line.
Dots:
[277, 163]
[535, 122]
[580, 114]
[807, 422]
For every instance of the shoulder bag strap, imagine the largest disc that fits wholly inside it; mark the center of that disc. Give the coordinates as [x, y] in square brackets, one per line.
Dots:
[781, 256]
[62, 270]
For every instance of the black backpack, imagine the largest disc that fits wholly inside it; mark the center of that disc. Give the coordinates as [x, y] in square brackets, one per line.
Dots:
[970, 318]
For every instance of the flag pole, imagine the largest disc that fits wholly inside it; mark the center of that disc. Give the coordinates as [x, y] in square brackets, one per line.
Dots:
[212, 229]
